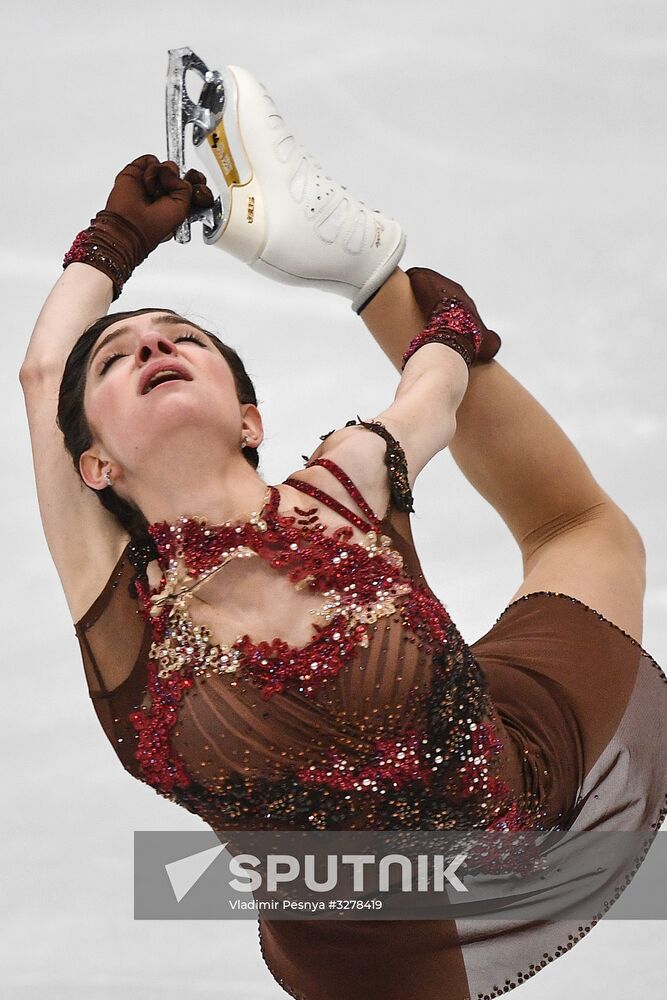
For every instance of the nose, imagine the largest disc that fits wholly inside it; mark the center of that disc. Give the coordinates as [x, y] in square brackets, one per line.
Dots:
[152, 343]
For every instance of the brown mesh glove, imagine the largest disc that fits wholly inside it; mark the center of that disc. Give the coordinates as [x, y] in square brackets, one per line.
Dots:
[431, 290]
[149, 200]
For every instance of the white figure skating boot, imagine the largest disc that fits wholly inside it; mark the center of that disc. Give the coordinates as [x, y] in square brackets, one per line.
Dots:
[277, 210]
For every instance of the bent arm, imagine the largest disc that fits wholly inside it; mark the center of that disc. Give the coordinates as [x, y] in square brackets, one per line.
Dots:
[148, 201]
[84, 539]
[423, 414]
[422, 418]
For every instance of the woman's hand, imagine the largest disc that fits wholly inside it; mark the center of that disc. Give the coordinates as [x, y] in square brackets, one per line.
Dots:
[155, 199]
[148, 202]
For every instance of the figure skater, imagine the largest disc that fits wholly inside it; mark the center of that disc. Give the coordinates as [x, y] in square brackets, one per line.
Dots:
[271, 656]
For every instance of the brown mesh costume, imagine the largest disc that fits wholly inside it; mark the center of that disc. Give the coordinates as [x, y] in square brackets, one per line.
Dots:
[571, 708]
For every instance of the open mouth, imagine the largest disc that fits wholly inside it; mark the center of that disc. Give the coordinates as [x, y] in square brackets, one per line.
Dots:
[162, 376]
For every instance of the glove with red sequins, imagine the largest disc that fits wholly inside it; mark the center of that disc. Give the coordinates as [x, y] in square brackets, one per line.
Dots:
[149, 200]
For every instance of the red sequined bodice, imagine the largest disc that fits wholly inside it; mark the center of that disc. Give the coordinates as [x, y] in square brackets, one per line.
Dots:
[380, 719]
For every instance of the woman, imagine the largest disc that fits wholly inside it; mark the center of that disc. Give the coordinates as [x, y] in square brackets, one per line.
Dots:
[271, 656]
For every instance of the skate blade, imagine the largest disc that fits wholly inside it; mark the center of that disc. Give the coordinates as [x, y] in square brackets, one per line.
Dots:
[205, 117]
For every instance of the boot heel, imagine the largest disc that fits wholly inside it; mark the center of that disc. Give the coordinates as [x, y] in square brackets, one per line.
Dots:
[242, 228]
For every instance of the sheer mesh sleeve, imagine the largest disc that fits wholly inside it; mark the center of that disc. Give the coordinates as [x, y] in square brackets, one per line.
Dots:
[114, 642]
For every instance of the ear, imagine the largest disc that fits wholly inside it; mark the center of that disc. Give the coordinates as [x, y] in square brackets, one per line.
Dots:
[252, 425]
[92, 468]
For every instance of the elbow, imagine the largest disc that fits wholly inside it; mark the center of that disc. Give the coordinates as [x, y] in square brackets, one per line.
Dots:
[29, 374]
[36, 370]
[26, 374]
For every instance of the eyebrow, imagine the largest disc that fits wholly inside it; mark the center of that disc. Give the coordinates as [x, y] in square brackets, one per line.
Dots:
[163, 320]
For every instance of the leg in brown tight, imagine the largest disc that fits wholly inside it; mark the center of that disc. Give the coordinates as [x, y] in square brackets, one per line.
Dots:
[573, 538]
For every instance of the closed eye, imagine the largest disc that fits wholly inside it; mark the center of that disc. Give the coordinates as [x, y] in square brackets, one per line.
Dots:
[113, 357]
[190, 336]
[109, 361]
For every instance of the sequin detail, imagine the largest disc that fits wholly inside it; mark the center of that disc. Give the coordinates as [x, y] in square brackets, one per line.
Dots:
[85, 250]
[453, 324]
[361, 583]
[397, 466]
[394, 459]
[583, 929]
[400, 762]
[328, 501]
[435, 777]
[112, 244]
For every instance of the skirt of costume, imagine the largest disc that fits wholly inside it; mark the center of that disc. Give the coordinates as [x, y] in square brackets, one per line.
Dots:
[587, 706]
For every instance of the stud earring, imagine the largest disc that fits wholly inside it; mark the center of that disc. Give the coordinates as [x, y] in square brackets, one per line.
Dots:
[107, 476]
[245, 441]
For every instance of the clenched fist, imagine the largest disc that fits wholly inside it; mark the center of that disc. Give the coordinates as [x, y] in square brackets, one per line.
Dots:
[147, 203]
[155, 199]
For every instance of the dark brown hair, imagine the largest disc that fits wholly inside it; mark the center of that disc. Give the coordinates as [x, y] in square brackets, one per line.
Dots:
[71, 418]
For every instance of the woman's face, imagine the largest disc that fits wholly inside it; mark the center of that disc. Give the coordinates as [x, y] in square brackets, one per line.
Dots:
[154, 376]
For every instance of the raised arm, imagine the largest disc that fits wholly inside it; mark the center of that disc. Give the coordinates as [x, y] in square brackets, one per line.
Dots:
[145, 206]
[422, 416]
[84, 539]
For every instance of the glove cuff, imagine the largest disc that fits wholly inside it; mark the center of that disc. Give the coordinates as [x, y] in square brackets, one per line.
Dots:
[110, 244]
[451, 317]
[453, 324]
